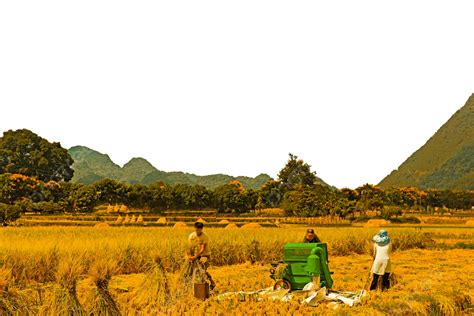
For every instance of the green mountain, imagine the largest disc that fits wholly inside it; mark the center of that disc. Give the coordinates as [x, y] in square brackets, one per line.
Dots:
[446, 161]
[90, 166]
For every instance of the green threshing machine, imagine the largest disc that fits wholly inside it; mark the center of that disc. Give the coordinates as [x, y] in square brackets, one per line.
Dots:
[305, 262]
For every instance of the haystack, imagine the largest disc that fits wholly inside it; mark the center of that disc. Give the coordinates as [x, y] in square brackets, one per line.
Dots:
[376, 223]
[119, 219]
[140, 219]
[180, 225]
[470, 222]
[126, 220]
[224, 221]
[133, 219]
[231, 226]
[161, 220]
[98, 300]
[64, 300]
[154, 292]
[252, 226]
[200, 220]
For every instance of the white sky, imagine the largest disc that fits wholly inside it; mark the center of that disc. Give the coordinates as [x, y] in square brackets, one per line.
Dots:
[351, 87]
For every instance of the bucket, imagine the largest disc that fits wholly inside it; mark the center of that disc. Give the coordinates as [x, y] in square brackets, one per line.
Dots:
[201, 291]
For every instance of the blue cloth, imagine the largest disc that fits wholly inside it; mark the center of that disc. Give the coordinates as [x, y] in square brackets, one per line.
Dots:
[381, 238]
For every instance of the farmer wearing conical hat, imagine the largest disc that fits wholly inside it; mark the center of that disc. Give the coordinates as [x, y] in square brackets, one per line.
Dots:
[381, 265]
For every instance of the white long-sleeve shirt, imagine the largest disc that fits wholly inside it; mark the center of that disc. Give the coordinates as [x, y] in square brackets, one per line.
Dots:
[381, 263]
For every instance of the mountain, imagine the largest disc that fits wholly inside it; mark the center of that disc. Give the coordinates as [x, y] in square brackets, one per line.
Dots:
[446, 161]
[136, 170]
[90, 166]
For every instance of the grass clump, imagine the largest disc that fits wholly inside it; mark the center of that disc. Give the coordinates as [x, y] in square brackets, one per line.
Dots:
[12, 302]
[99, 301]
[63, 300]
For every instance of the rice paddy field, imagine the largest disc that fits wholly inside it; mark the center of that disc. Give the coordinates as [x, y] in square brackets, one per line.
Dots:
[123, 270]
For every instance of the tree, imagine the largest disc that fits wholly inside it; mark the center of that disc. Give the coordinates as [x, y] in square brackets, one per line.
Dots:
[14, 187]
[24, 152]
[270, 195]
[110, 191]
[371, 198]
[317, 200]
[81, 198]
[296, 172]
[160, 196]
[230, 198]
[9, 213]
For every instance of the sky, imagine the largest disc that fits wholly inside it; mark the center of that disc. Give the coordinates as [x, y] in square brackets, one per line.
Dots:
[351, 87]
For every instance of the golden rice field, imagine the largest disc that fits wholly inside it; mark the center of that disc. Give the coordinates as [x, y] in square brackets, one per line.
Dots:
[138, 270]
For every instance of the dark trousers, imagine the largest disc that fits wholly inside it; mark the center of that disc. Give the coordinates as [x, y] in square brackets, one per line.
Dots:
[385, 281]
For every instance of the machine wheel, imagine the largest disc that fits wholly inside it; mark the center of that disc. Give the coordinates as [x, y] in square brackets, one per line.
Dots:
[282, 285]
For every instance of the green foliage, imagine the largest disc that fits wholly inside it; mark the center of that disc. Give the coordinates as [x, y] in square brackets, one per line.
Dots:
[110, 191]
[233, 197]
[80, 198]
[296, 172]
[446, 161]
[294, 194]
[24, 152]
[270, 195]
[9, 213]
[406, 220]
[463, 245]
[457, 172]
[91, 166]
[370, 197]
[317, 200]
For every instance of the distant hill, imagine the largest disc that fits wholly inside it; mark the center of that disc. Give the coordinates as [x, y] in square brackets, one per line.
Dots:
[446, 161]
[90, 166]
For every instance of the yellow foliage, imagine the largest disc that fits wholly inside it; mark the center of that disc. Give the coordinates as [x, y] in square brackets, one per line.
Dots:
[180, 225]
[161, 220]
[428, 280]
[5, 276]
[101, 225]
[376, 223]
[252, 226]
[126, 220]
[231, 226]
[123, 208]
[270, 212]
[442, 220]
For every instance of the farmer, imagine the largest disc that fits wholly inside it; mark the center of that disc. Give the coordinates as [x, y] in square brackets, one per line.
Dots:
[311, 236]
[199, 249]
[381, 255]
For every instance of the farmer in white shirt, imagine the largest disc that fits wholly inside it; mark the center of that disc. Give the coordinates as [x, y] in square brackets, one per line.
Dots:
[199, 249]
[381, 265]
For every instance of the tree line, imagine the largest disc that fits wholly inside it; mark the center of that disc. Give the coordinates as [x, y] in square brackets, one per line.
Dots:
[20, 193]
[36, 179]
